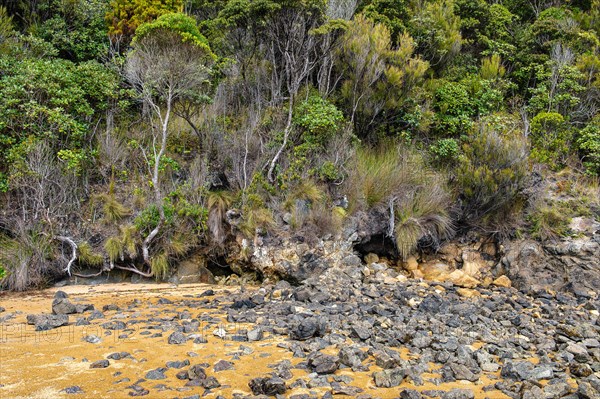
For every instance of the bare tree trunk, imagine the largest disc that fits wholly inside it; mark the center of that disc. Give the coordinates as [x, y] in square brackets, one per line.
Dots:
[73, 254]
[158, 197]
[286, 134]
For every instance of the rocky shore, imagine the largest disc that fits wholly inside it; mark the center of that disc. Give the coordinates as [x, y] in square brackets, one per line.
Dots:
[350, 331]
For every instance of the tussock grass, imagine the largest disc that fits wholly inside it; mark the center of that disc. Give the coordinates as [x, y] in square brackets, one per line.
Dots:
[87, 256]
[549, 222]
[383, 172]
[397, 178]
[423, 213]
[256, 218]
[114, 248]
[159, 264]
[180, 244]
[24, 259]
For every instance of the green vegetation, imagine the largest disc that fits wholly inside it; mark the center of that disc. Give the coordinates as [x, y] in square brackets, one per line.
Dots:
[147, 130]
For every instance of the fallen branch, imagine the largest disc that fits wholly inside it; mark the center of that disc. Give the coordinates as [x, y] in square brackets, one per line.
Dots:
[88, 275]
[136, 270]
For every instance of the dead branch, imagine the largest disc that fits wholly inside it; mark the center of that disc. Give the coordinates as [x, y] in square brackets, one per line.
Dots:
[74, 253]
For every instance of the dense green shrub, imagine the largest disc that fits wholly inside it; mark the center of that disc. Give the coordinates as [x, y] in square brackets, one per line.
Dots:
[588, 143]
[445, 151]
[550, 138]
[490, 177]
[319, 119]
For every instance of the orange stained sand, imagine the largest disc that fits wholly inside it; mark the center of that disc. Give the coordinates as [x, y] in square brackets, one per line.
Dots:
[41, 364]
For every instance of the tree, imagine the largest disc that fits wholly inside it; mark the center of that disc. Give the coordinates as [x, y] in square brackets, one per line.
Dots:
[125, 16]
[170, 59]
[52, 100]
[377, 76]
[292, 49]
[77, 29]
[436, 31]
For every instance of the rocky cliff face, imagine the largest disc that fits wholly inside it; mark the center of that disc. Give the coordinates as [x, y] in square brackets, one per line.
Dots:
[570, 264]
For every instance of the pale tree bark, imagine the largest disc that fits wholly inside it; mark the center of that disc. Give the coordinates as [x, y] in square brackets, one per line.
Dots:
[294, 54]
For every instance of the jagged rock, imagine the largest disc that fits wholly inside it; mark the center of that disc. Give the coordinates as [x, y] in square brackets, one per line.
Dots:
[178, 364]
[114, 325]
[256, 334]
[63, 306]
[458, 393]
[157, 374]
[118, 355]
[532, 266]
[177, 338]
[389, 378]
[350, 356]
[502, 281]
[322, 363]
[100, 364]
[518, 371]
[308, 328]
[92, 339]
[460, 278]
[196, 372]
[410, 394]
[222, 365]
[556, 389]
[267, 386]
[44, 322]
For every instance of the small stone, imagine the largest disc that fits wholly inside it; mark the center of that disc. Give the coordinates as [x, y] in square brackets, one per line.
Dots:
[556, 389]
[210, 383]
[410, 394]
[44, 322]
[139, 392]
[157, 374]
[461, 372]
[389, 378]
[518, 371]
[459, 393]
[579, 351]
[114, 325]
[100, 364]
[177, 338]
[92, 339]
[534, 392]
[73, 390]
[256, 334]
[220, 332]
[196, 372]
[222, 365]
[361, 332]
[323, 364]
[587, 391]
[118, 355]
[63, 306]
[178, 364]
[267, 386]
